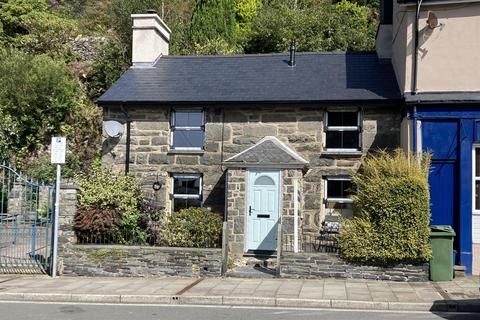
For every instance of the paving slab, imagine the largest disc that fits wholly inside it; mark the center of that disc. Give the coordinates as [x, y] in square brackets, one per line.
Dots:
[461, 295]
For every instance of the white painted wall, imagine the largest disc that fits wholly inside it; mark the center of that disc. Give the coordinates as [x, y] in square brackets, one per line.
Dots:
[150, 38]
[448, 55]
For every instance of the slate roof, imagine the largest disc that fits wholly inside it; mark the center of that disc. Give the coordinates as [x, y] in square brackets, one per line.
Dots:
[267, 152]
[328, 77]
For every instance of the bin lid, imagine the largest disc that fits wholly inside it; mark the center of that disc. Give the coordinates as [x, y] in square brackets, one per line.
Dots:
[442, 231]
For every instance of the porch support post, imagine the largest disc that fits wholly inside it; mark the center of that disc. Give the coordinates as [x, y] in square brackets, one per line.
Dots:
[465, 177]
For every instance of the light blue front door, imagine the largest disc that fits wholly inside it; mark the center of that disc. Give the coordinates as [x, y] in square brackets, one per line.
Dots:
[262, 210]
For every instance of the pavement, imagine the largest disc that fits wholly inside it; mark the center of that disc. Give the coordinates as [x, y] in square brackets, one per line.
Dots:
[460, 295]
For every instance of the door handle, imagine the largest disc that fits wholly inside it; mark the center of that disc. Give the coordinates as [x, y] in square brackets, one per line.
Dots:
[250, 210]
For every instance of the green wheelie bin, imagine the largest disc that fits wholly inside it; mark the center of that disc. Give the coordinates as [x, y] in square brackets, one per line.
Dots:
[441, 264]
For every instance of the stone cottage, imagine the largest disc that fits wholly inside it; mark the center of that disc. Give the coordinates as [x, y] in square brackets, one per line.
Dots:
[256, 138]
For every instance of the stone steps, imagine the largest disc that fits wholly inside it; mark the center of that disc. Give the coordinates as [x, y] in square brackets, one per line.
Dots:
[251, 272]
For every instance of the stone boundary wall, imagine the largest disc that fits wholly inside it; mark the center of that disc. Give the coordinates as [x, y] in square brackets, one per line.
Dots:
[117, 260]
[133, 261]
[330, 265]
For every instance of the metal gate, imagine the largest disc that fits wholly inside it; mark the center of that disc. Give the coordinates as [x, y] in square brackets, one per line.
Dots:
[26, 209]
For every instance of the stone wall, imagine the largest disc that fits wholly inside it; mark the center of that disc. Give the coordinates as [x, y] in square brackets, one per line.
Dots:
[97, 260]
[230, 130]
[330, 265]
[237, 201]
[133, 261]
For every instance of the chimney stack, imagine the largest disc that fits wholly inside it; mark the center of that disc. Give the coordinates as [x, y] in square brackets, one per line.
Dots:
[150, 39]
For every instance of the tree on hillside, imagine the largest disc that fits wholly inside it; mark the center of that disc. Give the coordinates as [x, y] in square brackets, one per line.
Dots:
[36, 95]
[213, 19]
[245, 13]
[316, 25]
[176, 13]
[30, 25]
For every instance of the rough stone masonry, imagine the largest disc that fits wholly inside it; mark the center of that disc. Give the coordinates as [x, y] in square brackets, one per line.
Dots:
[230, 130]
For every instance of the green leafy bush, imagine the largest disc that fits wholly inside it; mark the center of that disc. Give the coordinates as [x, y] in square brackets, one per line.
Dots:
[213, 19]
[110, 63]
[194, 227]
[30, 25]
[316, 26]
[104, 190]
[152, 221]
[40, 168]
[36, 95]
[392, 211]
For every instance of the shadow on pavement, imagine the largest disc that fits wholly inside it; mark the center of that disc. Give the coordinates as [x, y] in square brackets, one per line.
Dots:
[457, 309]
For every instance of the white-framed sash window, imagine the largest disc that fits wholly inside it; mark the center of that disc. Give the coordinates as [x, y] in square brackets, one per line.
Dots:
[342, 131]
[337, 200]
[186, 190]
[187, 129]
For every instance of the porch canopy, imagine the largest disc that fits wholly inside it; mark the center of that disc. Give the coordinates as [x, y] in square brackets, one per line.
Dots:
[269, 152]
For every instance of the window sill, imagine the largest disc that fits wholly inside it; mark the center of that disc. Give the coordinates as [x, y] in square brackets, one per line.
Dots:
[341, 153]
[191, 152]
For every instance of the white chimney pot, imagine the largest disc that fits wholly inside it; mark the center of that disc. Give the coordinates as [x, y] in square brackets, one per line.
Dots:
[150, 39]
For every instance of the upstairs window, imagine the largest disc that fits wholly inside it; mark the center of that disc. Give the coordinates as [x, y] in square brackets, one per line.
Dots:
[337, 198]
[186, 191]
[188, 130]
[342, 131]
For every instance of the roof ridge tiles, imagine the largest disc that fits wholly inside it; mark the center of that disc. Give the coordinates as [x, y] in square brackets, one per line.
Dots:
[273, 54]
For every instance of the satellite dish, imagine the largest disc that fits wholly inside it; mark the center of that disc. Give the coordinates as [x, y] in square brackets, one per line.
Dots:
[113, 129]
[432, 20]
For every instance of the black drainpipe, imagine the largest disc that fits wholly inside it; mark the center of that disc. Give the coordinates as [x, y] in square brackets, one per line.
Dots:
[415, 49]
[127, 144]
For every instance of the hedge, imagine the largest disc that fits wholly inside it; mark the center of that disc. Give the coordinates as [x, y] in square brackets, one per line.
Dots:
[392, 212]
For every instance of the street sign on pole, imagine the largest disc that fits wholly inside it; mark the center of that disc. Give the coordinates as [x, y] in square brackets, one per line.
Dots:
[59, 149]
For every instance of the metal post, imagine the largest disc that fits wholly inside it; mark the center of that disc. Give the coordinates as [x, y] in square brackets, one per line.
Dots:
[55, 223]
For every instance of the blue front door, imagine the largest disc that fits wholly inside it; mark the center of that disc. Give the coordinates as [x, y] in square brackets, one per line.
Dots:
[262, 210]
[440, 138]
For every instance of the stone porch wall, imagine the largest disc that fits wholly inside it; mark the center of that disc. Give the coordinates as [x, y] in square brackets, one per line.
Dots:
[237, 202]
[330, 265]
[301, 127]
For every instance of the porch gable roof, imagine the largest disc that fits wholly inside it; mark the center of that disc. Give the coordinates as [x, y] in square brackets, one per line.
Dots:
[268, 152]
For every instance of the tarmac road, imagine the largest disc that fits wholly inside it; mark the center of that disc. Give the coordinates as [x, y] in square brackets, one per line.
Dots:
[83, 311]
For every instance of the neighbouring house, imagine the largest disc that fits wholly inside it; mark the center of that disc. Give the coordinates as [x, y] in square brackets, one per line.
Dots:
[435, 58]
[259, 138]
[241, 134]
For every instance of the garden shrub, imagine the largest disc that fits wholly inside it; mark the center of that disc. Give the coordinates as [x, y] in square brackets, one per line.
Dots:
[194, 227]
[93, 224]
[152, 221]
[392, 213]
[102, 189]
